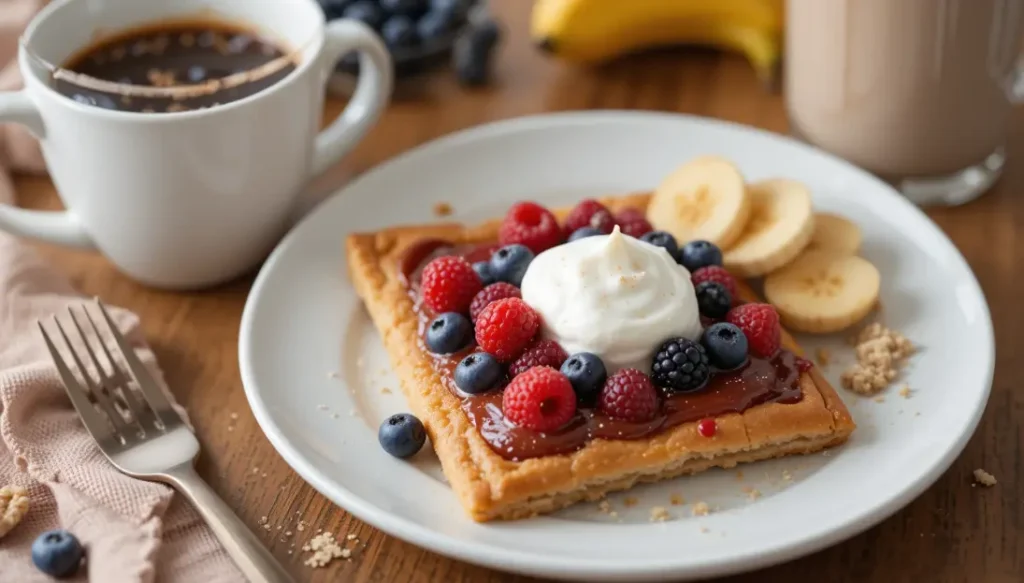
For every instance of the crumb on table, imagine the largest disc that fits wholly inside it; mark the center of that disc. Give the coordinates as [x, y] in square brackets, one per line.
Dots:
[659, 514]
[823, 356]
[442, 209]
[984, 478]
[676, 500]
[325, 549]
[906, 391]
[630, 502]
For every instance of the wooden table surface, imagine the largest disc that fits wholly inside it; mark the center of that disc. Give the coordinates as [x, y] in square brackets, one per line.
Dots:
[953, 532]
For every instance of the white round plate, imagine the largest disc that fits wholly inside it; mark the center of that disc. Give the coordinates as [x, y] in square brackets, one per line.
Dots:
[319, 383]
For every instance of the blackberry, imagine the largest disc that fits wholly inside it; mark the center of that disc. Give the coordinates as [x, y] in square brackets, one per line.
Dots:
[680, 365]
[713, 299]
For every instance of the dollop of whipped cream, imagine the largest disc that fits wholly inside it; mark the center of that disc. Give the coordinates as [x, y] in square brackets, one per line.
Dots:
[613, 295]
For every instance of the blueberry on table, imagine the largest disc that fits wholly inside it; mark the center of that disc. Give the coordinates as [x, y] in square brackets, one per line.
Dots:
[483, 271]
[57, 553]
[449, 332]
[473, 51]
[713, 299]
[412, 8]
[478, 373]
[726, 345]
[334, 9]
[584, 232]
[399, 31]
[509, 263]
[402, 435]
[366, 11]
[434, 25]
[697, 254]
[663, 240]
[586, 373]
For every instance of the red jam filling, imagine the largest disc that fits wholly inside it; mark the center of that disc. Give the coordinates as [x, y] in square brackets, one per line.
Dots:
[760, 381]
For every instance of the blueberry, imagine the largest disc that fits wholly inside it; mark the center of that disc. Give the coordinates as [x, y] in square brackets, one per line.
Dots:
[483, 271]
[584, 232]
[412, 8]
[509, 263]
[726, 345]
[95, 100]
[697, 254]
[586, 373]
[365, 11]
[713, 299]
[334, 9]
[434, 25]
[57, 553]
[399, 31]
[450, 332]
[477, 373]
[663, 240]
[401, 435]
[457, 8]
[472, 53]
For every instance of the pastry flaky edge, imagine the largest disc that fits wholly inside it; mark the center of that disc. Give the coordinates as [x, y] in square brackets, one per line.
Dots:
[491, 487]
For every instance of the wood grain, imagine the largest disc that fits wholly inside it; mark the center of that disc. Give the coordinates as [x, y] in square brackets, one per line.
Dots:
[953, 532]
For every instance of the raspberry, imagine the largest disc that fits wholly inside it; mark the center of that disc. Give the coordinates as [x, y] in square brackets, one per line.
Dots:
[532, 225]
[630, 395]
[707, 427]
[449, 284]
[505, 328]
[585, 214]
[540, 399]
[492, 293]
[633, 223]
[542, 353]
[717, 274]
[760, 323]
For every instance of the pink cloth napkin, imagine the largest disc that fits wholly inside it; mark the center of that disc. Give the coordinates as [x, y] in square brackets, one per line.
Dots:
[133, 531]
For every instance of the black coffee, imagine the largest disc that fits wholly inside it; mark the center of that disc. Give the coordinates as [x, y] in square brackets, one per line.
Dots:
[173, 54]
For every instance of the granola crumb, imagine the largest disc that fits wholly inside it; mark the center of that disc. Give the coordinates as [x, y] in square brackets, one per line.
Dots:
[234, 416]
[752, 493]
[659, 514]
[823, 356]
[604, 506]
[301, 526]
[442, 209]
[984, 478]
[881, 353]
[350, 537]
[14, 505]
[739, 474]
[701, 509]
[255, 470]
[630, 502]
[786, 476]
[325, 549]
[676, 500]
[906, 391]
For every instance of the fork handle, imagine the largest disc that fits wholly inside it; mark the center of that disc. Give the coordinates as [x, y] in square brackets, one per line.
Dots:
[252, 558]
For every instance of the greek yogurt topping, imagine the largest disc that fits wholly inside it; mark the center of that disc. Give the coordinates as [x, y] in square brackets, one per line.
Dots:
[612, 295]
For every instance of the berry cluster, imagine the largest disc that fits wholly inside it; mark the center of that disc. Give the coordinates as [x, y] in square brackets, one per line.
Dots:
[481, 304]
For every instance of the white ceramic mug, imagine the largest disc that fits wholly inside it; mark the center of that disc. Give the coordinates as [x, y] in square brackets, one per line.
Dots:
[190, 199]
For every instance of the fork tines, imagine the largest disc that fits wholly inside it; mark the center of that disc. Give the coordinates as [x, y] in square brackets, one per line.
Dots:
[103, 395]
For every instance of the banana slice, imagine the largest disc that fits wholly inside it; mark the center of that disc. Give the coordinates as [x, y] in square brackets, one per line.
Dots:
[780, 225]
[833, 233]
[705, 198]
[823, 291]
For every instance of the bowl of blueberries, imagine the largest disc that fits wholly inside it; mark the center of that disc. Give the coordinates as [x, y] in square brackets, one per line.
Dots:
[425, 35]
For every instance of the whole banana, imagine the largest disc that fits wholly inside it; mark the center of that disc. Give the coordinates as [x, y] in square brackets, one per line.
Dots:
[588, 31]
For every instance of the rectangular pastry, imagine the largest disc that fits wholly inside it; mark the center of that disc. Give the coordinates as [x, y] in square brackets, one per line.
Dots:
[774, 408]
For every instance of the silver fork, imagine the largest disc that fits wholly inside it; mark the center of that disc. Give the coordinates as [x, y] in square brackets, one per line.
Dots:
[143, 436]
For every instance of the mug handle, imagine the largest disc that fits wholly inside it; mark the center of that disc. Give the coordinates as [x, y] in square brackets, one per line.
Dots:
[57, 227]
[371, 94]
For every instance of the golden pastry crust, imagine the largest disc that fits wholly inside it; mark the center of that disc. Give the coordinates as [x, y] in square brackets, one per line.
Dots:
[491, 487]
